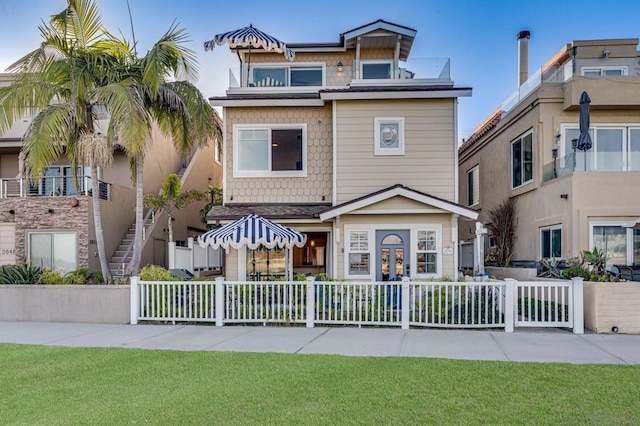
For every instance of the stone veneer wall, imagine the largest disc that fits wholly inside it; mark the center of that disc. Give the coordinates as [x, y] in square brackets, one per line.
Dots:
[32, 213]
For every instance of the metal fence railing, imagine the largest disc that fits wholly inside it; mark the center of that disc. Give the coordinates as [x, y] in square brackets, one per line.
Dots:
[52, 186]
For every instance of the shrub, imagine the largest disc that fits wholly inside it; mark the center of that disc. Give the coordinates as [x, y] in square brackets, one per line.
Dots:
[157, 273]
[84, 276]
[19, 274]
[577, 271]
[51, 276]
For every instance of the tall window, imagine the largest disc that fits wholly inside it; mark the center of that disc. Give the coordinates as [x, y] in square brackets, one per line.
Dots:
[266, 264]
[473, 186]
[270, 151]
[427, 252]
[359, 254]
[55, 250]
[614, 149]
[551, 242]
[522, 160]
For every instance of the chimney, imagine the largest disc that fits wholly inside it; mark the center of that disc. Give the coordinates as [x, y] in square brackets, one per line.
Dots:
[523, 56]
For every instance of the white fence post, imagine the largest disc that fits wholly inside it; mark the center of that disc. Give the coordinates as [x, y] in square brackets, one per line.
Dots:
[509, 304]
[311, 301]
[578, 305]
[404, 299]
[219, 301]
[172, 255]
[134, 300]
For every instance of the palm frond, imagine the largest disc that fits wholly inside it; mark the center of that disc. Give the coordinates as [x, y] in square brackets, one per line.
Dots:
[47, 136]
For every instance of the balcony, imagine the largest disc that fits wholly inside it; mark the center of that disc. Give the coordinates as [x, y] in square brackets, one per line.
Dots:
[52, 186]
[590, 161]
[309, 77]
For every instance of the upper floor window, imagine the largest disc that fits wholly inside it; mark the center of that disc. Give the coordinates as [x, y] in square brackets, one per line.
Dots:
[376, 69]
[551, 242]
[604, 70]
[269, 151]
[615, 148]
[473, 186]
[280, 76]
[522, 160]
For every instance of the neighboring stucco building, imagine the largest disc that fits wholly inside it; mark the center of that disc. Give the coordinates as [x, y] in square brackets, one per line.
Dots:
[524, 150]
[50, 222]
[351, 146]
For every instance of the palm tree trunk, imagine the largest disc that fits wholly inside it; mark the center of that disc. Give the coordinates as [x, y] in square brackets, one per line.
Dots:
[170, 227]
[134, 265]
[97, 220]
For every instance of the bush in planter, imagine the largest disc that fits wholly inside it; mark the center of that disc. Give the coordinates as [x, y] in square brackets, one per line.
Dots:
[84, 276]
[19, 274]
[51, 276]
[157, 273]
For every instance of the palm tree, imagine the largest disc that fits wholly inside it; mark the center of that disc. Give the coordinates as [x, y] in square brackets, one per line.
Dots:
[80, 65]
[171, 198]
[63, 81]
[177, 107]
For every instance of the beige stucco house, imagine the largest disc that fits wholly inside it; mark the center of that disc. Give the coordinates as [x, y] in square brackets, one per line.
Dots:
[352, 143]
[50, 222]
[567, 200]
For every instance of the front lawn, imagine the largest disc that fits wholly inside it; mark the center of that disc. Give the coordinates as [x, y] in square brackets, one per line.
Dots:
[59, 385]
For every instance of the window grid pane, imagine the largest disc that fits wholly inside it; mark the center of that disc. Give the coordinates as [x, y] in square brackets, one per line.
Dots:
[426, 252]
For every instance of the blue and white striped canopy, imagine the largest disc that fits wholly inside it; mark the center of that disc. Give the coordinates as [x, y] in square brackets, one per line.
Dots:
[252, 231]
[250, 37]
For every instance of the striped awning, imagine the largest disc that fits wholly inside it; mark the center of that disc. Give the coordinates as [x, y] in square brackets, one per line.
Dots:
[250, 37]
[252, 231]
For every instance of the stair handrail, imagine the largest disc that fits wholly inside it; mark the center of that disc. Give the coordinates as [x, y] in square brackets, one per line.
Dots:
[150, 215]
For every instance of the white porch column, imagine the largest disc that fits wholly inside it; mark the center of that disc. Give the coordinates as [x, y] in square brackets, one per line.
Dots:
[510, 304]
[578, 305]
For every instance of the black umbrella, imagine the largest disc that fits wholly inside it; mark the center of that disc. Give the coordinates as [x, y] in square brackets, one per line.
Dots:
[584, 140]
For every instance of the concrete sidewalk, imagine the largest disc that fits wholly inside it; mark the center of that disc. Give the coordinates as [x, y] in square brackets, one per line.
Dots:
[523, 345]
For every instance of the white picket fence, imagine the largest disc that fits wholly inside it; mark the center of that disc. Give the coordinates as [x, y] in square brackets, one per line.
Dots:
[494, 304]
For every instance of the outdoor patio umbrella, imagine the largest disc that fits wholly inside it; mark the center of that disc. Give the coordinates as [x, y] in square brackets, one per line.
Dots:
[249, 37]
[584, 140]
[253, 231]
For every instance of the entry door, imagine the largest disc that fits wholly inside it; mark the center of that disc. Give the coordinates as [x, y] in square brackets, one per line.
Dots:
[392, 255]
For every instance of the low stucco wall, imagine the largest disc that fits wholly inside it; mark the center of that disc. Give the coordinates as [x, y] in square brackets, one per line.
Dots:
[520, 274]
[105, 304]
[608, 305]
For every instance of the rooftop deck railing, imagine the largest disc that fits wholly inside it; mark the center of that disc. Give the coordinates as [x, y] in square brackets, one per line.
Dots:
[417, 69]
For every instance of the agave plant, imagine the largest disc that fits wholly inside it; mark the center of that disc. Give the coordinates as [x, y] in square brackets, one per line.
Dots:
[20, 274]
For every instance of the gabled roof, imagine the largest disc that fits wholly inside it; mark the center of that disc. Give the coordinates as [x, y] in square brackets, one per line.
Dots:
[393, 191]
[377, 34]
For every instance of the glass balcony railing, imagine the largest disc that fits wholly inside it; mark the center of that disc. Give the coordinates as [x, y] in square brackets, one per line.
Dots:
[554, 74]
[299, 75]
[591, 161]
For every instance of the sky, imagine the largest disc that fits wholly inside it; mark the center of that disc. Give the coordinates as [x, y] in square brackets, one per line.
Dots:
[479, 36]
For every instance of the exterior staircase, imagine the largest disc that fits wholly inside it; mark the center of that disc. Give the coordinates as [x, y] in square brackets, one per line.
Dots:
[121, 257]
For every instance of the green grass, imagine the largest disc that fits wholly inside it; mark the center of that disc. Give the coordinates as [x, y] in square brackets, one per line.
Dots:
[59, 385]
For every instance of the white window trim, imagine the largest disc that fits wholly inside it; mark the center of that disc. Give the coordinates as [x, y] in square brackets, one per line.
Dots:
[30, 232]
[378, 150]
[624, 69]
[521, 139]
[348, 251]
[364, 62]
[288, 66]
[476, 197]
[552, 228]
[373, 254]
[217, 154]
[594, 127]
[414, 251]
[237, 173]
[614, 223]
